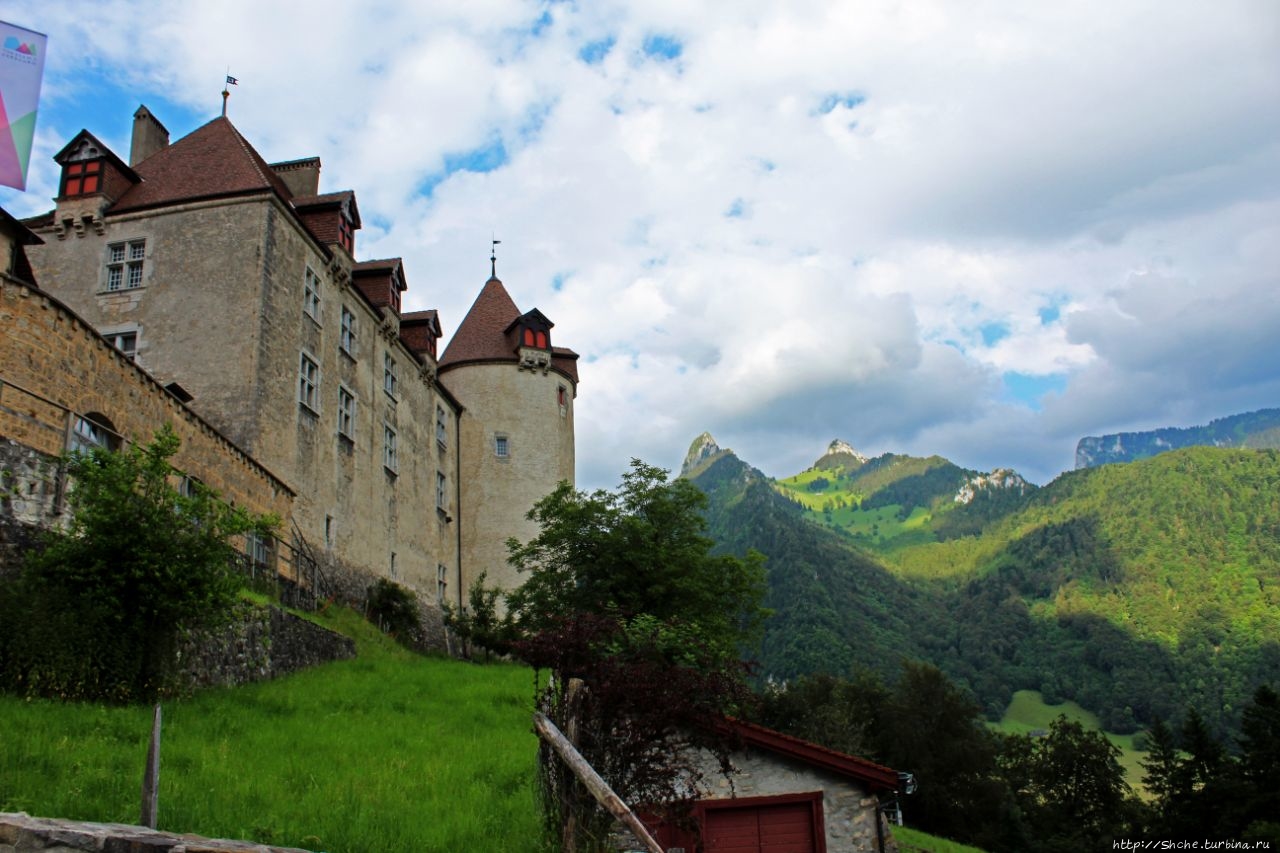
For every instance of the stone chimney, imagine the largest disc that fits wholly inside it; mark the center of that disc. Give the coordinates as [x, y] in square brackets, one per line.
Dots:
[149, 136]
[302, 177]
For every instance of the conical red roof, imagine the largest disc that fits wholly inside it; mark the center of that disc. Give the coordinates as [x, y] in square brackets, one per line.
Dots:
[482, 335]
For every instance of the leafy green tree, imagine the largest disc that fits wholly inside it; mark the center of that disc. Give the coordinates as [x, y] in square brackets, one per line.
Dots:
[640, 550]
[623, 593]
[97, 610]
[1070, 787]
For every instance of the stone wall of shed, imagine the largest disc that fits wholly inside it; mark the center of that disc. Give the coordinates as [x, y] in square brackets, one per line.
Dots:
[850, 811]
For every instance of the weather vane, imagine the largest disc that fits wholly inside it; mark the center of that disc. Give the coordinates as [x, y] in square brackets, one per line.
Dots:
[226, 90]
[493, 258]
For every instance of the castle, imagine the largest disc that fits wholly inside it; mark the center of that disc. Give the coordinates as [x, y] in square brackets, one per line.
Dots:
[232, 285]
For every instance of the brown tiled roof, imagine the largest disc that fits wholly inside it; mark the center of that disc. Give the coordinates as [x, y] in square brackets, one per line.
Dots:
[419, 331]
[565, 360]
[212, 161]
[373, 280]
[482, 334]
[320, 213]
[877, 776]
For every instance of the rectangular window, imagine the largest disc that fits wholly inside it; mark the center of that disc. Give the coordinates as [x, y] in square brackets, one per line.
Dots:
[308, 382]
[346, 413]
[390, 375]
[126, 342]
[442, 433]
[390, 458]
[82, 178]
[348, 337]
[442, 583]
[500, 448]
[562, 397]
[258, 548]
[442, 492]
[311, 295]
[124, 264]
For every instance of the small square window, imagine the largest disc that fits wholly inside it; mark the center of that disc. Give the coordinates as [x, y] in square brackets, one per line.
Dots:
[125, 263]
[126, 342]
[308, 382]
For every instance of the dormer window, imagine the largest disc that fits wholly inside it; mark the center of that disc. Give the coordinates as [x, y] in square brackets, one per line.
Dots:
[84, 177]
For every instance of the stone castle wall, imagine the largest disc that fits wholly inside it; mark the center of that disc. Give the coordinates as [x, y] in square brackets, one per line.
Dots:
[54, 368]
[523, 407]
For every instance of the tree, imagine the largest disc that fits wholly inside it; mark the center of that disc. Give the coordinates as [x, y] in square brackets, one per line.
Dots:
[622, 592]
[96, 611]
[1070, 787]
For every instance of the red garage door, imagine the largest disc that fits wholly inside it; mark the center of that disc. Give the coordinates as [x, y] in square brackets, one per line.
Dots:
[761, 828]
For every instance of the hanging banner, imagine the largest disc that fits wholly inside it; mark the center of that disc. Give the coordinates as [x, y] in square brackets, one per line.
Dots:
[21, 70]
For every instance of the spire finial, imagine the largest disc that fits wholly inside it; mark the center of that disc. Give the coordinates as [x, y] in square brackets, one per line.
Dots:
[226, 90]
[493, 258]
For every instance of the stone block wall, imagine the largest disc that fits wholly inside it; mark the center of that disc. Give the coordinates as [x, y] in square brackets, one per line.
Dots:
[259, 643]
[54, 366]
[20, 833]
[849, 811]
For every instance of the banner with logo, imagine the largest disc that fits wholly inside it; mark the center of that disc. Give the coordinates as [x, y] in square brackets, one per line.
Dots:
[21, 70]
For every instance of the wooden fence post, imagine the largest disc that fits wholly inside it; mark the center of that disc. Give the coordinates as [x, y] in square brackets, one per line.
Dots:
[151, 776]
[591, 779]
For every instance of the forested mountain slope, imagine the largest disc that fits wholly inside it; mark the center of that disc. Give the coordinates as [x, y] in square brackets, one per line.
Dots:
[1136, 590]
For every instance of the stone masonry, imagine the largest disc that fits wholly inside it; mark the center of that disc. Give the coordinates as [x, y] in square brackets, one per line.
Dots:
[21, 833]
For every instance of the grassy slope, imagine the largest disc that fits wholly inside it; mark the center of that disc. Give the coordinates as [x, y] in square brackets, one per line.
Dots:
[1028, 712]
[914, 841]
[388, 752]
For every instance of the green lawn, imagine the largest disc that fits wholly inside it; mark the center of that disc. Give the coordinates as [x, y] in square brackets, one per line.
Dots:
[914, 841]
[388, 752]
[1028, 712]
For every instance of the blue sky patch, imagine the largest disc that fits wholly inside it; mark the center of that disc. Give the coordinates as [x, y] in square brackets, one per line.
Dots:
[1028, 389]
[840, 99]
[662, 47]
[993, 333]
[558, 280]
[736, 210]
[483, 159]
[542, 23]
[594, 52]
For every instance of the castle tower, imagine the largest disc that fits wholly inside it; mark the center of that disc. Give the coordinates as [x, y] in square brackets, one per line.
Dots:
[516, 433]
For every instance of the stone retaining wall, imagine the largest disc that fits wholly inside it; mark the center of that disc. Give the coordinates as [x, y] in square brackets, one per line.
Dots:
[20, 833]
[258, 644]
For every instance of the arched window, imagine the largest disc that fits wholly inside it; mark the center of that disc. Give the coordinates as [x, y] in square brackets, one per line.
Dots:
[90, 431]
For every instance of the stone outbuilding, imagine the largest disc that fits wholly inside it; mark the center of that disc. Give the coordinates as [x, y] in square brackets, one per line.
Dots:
[786, 795]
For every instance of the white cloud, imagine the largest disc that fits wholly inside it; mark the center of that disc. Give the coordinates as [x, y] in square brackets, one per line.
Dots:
[924, 197]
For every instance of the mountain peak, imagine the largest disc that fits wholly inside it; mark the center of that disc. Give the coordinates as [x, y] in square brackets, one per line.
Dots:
[840, 454]
[702, 449]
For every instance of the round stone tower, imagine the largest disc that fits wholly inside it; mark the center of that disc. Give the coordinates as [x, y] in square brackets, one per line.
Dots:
[515, 433]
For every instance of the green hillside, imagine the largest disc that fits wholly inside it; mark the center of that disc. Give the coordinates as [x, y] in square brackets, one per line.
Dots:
[1135, 590]
[893, 501]
[347, 757]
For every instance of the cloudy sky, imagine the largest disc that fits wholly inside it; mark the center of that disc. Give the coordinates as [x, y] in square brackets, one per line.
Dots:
[977, 229]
